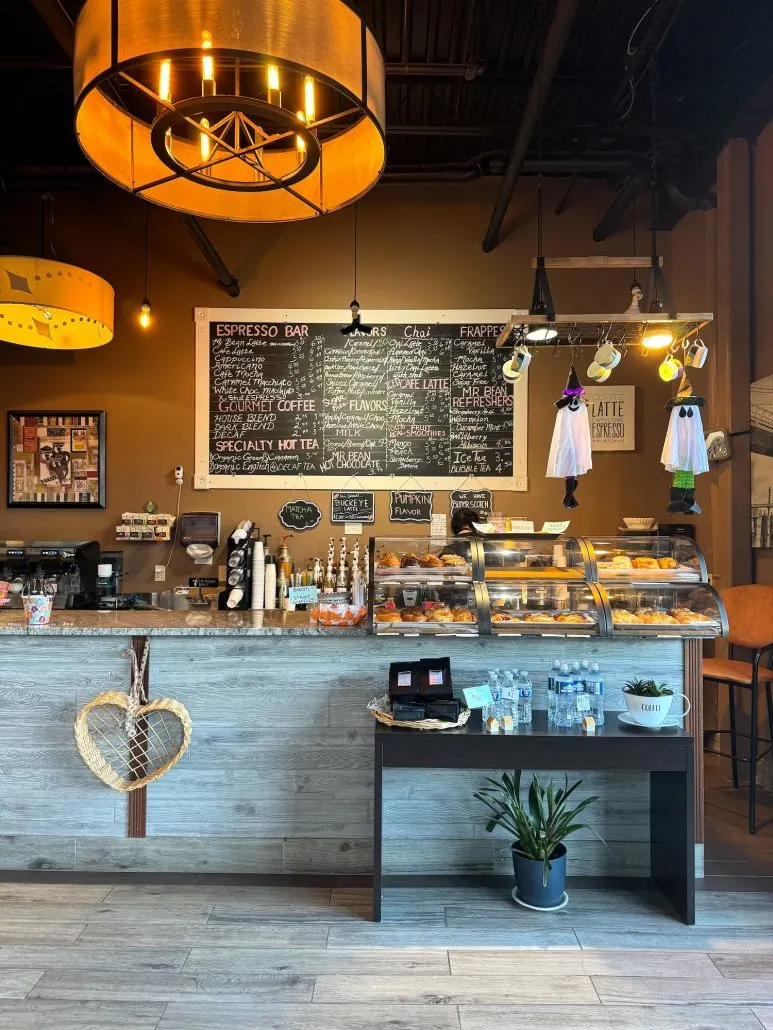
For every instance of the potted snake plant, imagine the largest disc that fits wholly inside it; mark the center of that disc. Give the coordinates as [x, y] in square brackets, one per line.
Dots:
[539, 829]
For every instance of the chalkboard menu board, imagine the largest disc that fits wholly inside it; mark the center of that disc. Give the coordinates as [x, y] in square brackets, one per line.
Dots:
[352, 506]
[282, 397]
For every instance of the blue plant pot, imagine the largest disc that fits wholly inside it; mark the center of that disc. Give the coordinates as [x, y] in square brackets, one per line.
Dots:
[528, 878]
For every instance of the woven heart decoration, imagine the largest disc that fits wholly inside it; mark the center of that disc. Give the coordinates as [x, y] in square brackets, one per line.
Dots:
[128, 745]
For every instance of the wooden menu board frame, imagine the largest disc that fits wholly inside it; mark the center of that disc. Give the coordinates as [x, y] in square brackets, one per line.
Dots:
[326, 316]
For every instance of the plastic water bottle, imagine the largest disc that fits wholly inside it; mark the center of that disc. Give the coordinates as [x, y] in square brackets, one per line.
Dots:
[524, 697]
[552, 691]
[582, 700]
[564, 699]
[595, 687]
[510, 697]
[577, 688]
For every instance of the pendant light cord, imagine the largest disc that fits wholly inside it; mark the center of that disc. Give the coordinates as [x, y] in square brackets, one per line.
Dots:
[355, 251]
[145, 294]
[654, 137]
[540, 121]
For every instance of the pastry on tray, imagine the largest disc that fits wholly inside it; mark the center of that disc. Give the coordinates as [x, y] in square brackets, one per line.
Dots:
[389, 560]
[453, 561]
[441, 614]
[645, 563]
[686, 615]
[410, 561]
[539, 617]
[625, 618]
[463, 615]
[501, 617]
[387, 615]
[621, 561]
[413, 614]
[431, 561]
[651, 618]
[668, 563]
[572, 617]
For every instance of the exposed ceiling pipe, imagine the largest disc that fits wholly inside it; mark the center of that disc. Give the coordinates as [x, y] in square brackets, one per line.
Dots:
[687, 202]
[225, 279]
[493, 163]
[58, 22]
[555, 44]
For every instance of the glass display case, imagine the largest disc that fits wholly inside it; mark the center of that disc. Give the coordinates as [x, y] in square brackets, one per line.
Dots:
[423, 585]
[508, 556]
[542, 585]
[400, 558]
[681, 609]
[665, 559]
[544, 607]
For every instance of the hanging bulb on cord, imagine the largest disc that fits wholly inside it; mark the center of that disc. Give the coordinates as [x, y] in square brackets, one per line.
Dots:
[144, 315]
[355, 326]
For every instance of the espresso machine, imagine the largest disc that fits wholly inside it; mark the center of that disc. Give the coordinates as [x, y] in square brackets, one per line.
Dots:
[70, 568]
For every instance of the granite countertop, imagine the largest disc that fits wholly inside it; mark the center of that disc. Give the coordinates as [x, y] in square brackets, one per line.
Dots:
[163, 623]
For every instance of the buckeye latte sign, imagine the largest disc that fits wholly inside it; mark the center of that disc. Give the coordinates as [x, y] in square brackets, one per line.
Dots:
[612, 411]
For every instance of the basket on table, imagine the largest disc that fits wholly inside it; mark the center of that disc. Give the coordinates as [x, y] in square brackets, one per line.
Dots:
[381, 710]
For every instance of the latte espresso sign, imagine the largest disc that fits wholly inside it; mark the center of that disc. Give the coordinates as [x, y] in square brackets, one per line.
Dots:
[612, 412]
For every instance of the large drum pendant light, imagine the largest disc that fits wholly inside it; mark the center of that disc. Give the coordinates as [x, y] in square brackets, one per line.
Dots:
[269, 111]
[52, 305]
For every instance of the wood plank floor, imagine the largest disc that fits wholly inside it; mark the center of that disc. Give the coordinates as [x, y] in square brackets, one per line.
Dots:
[206, 957]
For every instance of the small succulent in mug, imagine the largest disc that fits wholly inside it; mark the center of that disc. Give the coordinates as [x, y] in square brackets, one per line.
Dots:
[647, 688]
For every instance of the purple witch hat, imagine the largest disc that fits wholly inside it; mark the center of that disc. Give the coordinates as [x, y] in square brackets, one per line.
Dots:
[572, 391]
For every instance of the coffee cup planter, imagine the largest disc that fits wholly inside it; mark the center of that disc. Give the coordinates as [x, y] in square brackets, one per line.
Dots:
[539, 830]
[649, 704]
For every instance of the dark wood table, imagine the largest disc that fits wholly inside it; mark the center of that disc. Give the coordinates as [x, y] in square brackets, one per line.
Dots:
[667, 756]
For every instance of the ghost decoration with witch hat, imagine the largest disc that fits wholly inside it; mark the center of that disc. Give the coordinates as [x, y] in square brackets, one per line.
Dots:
[684, 450]
[570, 448]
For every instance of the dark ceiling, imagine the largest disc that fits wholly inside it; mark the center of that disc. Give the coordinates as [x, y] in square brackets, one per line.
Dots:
[459, 77]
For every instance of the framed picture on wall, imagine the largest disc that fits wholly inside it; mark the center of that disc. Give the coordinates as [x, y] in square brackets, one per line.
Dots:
[56, 459]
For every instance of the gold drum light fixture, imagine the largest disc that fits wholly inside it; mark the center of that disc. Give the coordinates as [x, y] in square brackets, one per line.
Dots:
[52, 305]
[268, 111]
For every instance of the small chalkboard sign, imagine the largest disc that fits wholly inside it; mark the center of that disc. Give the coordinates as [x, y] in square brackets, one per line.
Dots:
[477, 500]
[300, 514]
[352, 506]
[410, 505]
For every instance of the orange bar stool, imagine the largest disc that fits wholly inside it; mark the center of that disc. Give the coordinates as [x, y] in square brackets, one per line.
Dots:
[750, 617]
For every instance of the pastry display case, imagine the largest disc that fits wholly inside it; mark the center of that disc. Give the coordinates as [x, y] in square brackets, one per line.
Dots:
[665, 609]
[542, 585]
[423, 585]
[544, 607]
[665, 559]
[507, 556]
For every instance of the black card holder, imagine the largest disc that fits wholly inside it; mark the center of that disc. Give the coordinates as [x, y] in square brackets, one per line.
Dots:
[435, 678]
[404, 679]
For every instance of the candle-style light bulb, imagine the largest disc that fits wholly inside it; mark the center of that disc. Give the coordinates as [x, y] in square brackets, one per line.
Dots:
[165, 81]
[207, 75]
[308, 98]
[273, 77]
[204, 143]
[300, 142]
[144, 318]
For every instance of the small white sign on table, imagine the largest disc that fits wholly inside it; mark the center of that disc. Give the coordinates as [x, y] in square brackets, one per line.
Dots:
[612, 411]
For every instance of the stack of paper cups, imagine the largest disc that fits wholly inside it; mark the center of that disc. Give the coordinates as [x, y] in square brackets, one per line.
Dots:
[258, 575]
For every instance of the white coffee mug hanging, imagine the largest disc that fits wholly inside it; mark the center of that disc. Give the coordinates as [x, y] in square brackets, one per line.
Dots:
[695, 354]
[598, 373]
[608, 356]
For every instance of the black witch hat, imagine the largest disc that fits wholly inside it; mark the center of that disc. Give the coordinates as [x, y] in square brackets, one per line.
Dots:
[572, 391]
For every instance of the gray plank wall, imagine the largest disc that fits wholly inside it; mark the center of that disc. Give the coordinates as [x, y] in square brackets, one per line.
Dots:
[279, 774]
